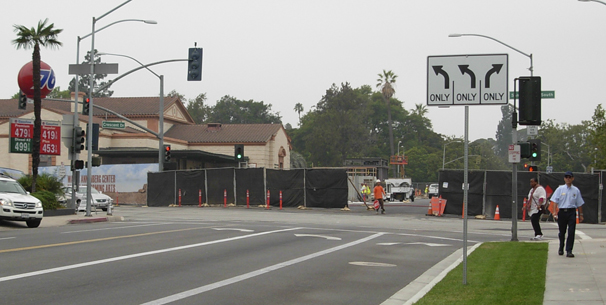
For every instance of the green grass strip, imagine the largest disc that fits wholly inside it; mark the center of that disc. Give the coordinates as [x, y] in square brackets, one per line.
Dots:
[497, 273]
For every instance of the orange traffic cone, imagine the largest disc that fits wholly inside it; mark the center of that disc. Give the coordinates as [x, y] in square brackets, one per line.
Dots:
[577, 215]
[429, 210]
[497, 216]
[524, 211]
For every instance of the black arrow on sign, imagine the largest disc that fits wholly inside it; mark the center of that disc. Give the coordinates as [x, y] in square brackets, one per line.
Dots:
[465, 69]
[438, 70]
[496, 68]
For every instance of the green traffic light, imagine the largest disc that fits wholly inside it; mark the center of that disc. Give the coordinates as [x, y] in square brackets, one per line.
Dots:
[534, 154]
[239, 156]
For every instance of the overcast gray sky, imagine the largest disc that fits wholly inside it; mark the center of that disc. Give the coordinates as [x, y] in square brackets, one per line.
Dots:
[285, 52]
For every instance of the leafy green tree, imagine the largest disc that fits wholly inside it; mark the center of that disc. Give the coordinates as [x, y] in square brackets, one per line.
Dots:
[598, 136]
[230, 110]
[57, 93]
[504, 133]
[46, 36]
[196, 108]
[420, 110]
[298, 109]
[334, 129]
[83, 81]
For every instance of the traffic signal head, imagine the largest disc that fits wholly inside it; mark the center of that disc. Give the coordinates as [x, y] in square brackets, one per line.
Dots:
[22, 101]
[535, 150]
[85, 105]
[194, 64]
[78, 140]
[524, 150]
[533, 168]
[78, 164]
[239, 152]
[166, 153]
[530, 100]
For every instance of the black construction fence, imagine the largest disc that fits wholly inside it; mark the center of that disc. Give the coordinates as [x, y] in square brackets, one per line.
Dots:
[320, 188]
[489, 189]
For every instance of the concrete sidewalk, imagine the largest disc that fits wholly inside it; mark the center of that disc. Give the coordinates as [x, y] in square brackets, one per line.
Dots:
[56, 221]
[578, 280]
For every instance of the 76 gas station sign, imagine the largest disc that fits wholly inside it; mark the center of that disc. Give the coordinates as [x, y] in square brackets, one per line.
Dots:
[22, 133]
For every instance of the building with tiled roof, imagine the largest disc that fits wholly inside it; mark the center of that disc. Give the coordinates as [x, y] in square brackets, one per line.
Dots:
[193, 146]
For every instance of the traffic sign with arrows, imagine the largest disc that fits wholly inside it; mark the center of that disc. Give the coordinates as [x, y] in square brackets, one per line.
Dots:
[467, 80]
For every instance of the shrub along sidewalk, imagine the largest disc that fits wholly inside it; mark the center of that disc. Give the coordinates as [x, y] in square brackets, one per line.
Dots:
[497, 273]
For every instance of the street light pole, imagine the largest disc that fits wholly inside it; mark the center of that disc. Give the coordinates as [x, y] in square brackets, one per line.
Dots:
[76, 95]
[514, 136]
[398, 154]
[161, 111]
[90, 113]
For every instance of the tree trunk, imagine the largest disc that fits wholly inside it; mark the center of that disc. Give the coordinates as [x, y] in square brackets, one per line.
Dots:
[37, 120]
[393, 169]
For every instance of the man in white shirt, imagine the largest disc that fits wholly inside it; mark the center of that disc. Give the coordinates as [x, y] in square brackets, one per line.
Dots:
[535, 205]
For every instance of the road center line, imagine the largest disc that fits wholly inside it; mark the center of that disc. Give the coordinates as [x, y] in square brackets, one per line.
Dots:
[235, 279]
[125, 257]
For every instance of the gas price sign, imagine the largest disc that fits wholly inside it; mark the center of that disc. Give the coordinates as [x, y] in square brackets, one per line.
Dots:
[22, 133]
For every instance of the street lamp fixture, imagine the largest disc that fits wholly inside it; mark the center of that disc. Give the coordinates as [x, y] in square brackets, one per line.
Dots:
[598, 1]
[161, 111]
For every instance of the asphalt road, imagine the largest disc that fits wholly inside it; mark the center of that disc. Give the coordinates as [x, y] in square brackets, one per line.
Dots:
[193, 255]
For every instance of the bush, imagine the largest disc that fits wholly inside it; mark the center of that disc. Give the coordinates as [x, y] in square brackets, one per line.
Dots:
[49, 200]
[48, 187]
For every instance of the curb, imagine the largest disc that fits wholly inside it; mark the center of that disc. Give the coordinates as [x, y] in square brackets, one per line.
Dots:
[96, 219]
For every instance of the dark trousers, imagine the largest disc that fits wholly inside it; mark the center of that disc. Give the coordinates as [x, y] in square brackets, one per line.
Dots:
[567, 218]
[381, 203]
[534, 219]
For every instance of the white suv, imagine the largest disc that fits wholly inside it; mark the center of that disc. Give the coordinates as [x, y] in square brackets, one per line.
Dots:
[434, 190]
[17, 204]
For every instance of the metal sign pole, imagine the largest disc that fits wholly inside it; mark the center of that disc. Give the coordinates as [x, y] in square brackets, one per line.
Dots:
[465, 194]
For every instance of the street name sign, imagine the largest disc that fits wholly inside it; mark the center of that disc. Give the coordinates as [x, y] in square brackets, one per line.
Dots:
[101, 68]
[467, 80]
[110, 124]
[544, 94]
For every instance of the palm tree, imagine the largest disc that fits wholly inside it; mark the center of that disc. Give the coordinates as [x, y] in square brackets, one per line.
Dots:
[385, 81]
[298, 109]
[421, 110]
[45, 36]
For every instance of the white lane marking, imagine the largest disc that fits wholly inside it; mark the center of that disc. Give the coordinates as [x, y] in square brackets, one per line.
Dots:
[116, 228]
[321, 236]
[415, 243]
[580, 233]
[235, 279]
[119, 258]
[233, 229]
[371, 264]
[7, 238]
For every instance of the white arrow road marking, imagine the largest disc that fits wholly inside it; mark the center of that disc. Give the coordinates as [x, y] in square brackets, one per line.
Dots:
[233, 229]
[321, 236]
[417, 243]
[371, 264]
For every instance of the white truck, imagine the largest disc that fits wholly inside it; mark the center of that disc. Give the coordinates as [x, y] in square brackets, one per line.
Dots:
[399, 189]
